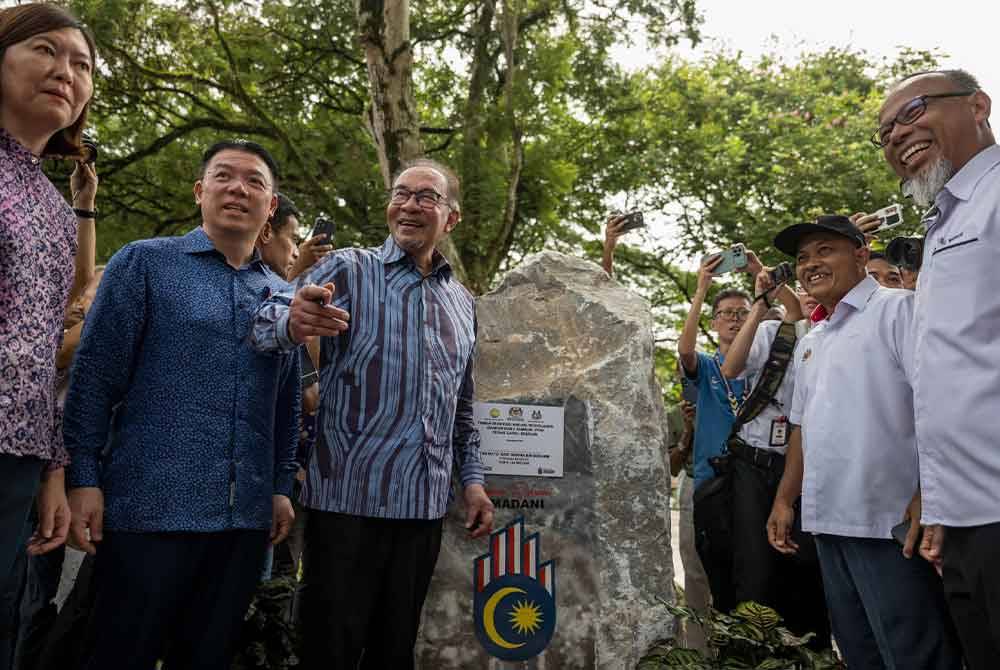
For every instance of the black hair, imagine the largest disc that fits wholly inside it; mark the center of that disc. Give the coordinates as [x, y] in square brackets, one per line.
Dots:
[285, 209]
[25, 21]
[451, 179]
[245, 146]
[728, 293]
[877, 255]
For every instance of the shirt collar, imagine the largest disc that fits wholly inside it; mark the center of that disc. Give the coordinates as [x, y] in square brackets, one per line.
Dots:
[17, 150]
[963, 183]
[856, 298]
[390, 252]
[197, 242]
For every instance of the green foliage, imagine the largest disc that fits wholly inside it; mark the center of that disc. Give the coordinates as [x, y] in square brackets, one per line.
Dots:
[750, 637]
[268, 639]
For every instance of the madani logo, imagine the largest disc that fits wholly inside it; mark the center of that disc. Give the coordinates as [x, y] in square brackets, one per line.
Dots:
[514, 596]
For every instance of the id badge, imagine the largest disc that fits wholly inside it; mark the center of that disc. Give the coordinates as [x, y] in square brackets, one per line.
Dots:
[779, 432]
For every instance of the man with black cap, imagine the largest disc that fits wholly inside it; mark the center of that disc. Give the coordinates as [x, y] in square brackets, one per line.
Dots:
[852, 455]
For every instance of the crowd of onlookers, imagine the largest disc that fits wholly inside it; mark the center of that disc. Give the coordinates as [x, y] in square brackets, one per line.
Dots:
[840, 460]
[212, 408]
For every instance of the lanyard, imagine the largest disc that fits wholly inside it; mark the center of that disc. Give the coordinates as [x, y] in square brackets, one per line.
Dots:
[734, 402]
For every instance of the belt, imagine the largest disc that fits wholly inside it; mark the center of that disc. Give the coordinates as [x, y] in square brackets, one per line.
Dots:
[762, 458]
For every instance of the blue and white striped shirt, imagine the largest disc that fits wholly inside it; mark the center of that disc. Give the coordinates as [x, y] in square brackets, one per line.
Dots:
[396, 388]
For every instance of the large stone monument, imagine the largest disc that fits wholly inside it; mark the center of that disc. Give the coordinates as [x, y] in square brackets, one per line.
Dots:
[559, 332]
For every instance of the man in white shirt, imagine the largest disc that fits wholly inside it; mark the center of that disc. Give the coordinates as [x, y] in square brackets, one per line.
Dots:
[852, 455]
[793, 587]
[935, 134]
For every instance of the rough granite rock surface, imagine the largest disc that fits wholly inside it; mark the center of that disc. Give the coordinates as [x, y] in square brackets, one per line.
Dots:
[558, 331]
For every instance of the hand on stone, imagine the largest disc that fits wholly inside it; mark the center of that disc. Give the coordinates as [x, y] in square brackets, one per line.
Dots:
[311, 314]
[478, 511]
[779, 527]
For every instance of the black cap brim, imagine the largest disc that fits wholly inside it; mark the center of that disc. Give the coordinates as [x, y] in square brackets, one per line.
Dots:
[787, 241]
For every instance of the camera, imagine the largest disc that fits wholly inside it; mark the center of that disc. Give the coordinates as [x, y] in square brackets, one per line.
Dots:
[89, 145]
[782, 274]
[906, 253]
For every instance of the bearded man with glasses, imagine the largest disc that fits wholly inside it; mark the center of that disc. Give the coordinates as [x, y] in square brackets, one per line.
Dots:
[946, 155]
[397, 338]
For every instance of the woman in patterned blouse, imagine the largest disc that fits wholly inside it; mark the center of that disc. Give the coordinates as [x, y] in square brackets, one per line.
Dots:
[46, 63]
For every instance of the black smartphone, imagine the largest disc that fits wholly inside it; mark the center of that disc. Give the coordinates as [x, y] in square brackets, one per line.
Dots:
[324, 226]
[632, 221]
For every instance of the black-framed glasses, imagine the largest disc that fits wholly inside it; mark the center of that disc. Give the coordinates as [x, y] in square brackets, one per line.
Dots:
[426, 198]
[910, 112]
[732, 314]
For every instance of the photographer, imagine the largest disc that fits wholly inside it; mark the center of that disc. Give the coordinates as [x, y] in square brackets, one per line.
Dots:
[717, 401]
[761, 353]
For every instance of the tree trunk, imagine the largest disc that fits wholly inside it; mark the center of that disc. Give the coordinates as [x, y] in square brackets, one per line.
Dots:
[392, 121]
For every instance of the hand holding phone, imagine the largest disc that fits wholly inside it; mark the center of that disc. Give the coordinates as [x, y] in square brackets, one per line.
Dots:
[734, 258]
[324, 226]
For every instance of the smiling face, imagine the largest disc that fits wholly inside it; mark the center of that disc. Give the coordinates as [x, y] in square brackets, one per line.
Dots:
[415, 229]
[45, 82]
[236, 195]
[950, 131]
[828, 266]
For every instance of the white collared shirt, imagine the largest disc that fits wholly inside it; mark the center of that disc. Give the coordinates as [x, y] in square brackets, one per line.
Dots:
[854, 403]
[956, 379]
[758, 433]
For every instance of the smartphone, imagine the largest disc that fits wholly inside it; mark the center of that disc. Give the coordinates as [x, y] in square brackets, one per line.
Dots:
[689, 391]
[889, 217]
[734, 258]
[324, 226]
[632, 221]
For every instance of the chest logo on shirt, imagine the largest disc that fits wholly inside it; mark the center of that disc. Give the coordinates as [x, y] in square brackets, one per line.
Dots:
[514, 595]
[806, 354]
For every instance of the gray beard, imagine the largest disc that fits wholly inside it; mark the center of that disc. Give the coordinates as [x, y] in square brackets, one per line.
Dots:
[925, 186]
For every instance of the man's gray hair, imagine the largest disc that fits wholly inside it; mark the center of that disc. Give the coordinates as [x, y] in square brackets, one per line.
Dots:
[963, 79]
[451, 179]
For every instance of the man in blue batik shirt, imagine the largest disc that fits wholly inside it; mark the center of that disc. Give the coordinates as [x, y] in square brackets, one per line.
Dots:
[396, 414]
[180, 505]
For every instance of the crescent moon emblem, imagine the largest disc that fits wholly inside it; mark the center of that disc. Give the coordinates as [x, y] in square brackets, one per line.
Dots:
[490, 610]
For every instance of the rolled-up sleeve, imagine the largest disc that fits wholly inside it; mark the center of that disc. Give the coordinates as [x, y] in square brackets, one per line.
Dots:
[103, 363]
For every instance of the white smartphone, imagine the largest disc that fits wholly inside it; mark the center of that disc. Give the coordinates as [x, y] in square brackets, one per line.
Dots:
[889, 217]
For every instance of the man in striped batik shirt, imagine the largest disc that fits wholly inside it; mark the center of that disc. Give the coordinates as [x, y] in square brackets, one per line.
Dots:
[397, 337]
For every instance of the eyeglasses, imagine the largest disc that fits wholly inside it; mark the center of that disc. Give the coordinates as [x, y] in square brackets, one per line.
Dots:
[732, 314]
[426, 198]
[910, 112]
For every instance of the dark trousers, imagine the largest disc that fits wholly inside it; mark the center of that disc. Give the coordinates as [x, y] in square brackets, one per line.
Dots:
[19, 480]
[365, 584]
[176, 596]
[971, 575]
[748, 568]
[887, 611]
[792, 585]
